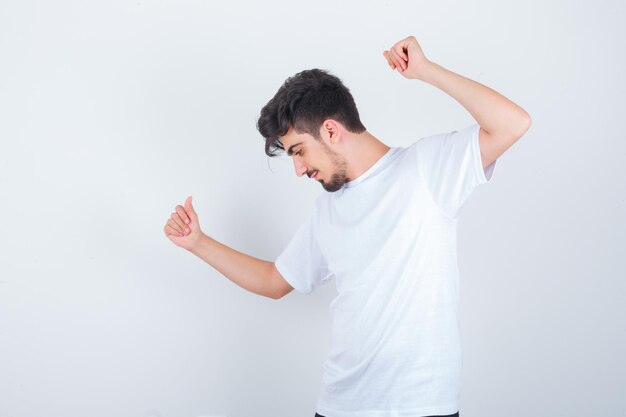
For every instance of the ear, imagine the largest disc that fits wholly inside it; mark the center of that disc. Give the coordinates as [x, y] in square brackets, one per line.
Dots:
[330, 130]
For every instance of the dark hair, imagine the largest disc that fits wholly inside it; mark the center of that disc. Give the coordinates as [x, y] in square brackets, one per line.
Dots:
[303, 102]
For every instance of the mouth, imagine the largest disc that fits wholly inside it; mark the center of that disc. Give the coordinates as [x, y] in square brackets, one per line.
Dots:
[314, 176]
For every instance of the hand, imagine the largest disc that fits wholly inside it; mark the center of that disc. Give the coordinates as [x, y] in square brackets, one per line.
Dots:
[183, 227]
[407, 57]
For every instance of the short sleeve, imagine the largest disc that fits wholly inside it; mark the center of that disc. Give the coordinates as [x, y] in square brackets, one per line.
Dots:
[451, 165]
[301, 263]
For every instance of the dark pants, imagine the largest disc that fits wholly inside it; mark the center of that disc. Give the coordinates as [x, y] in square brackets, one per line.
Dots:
[449, 415]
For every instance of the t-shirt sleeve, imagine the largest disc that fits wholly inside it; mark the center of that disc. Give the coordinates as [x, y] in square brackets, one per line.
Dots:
[301, 263]
[451, 165]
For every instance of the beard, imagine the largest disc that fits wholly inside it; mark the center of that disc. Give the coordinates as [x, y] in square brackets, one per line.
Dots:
[340, 174]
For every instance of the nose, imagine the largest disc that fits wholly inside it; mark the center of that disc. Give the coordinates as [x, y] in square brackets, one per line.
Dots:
[299, 166]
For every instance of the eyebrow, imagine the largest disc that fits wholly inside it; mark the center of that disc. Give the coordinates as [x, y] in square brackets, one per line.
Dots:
[290, 151]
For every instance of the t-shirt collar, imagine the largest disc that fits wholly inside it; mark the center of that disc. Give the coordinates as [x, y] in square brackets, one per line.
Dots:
[377, 165]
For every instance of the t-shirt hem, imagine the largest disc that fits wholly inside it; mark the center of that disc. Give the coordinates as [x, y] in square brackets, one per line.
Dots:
[284, 271]
[407, 412]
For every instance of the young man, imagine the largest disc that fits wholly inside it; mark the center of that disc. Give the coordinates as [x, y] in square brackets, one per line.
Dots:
[385, 232]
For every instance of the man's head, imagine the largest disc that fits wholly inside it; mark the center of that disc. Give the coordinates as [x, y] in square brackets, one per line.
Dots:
[310, 116]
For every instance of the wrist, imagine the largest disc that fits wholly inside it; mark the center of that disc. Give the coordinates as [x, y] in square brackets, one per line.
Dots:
[424, 71]
[202, 242]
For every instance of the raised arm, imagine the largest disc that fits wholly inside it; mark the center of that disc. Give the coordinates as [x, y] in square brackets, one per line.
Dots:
[501, 121]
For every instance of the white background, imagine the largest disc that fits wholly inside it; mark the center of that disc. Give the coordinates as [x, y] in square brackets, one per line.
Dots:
[112, 113]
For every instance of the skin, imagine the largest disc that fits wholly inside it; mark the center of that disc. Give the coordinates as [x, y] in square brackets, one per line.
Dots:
[183, 227]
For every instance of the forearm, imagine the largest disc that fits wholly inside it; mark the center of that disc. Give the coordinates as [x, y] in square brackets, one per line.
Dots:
[491, 110]
[246, 271]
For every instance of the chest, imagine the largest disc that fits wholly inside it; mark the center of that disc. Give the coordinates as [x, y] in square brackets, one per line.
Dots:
[378, 222]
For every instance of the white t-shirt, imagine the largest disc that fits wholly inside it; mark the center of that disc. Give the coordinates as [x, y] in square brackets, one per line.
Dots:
[388, 239]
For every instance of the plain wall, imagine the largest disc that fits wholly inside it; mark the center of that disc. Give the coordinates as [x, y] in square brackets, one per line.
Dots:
[112, 113]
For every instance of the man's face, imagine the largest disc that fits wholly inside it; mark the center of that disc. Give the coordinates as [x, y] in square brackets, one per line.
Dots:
[316, 158]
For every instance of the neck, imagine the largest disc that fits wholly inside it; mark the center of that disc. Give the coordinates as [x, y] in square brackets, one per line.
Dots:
[365, 151]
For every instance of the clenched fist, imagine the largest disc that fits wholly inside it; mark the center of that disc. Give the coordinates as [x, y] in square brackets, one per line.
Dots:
[407, 57]
[182, 227]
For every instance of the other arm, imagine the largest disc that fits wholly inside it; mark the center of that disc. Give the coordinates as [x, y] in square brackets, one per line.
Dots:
[255, 275]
